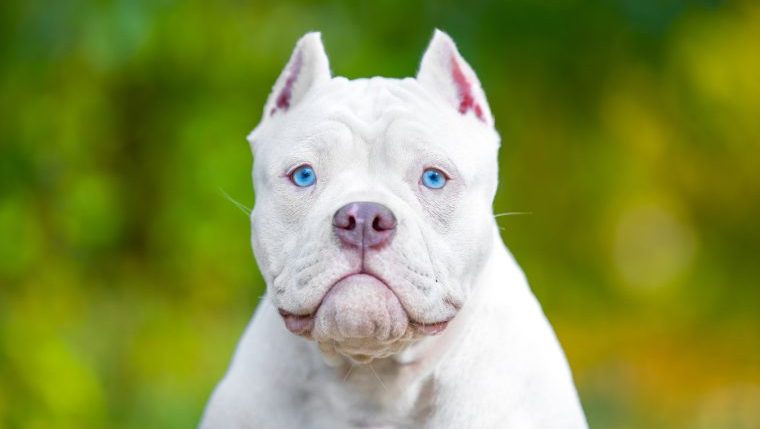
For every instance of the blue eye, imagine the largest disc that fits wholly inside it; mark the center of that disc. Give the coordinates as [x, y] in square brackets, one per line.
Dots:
[433, 178]
[303, 176]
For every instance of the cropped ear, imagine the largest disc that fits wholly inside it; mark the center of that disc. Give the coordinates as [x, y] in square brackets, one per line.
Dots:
[308, 67]
[444, 72]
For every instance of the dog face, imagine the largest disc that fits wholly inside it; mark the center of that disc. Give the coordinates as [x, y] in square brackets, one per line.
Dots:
[373, 199]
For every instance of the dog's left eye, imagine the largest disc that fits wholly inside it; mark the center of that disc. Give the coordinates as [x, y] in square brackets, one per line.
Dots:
[433, 178]
[303, 176]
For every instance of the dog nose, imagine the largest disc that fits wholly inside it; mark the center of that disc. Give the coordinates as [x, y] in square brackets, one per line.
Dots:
[364, 224]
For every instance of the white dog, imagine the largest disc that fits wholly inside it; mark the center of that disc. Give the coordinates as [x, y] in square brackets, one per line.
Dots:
[392, 301]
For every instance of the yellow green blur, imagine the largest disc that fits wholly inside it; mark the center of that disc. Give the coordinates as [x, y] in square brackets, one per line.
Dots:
[631, 134]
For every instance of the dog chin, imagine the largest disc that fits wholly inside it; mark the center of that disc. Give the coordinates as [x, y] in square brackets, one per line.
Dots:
[362, 351]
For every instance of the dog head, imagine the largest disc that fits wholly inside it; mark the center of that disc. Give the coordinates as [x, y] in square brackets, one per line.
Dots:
[373, 215]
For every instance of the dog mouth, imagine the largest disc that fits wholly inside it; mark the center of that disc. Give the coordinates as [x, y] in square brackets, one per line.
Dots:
[297, 324]
[371, 296]
[304, 324]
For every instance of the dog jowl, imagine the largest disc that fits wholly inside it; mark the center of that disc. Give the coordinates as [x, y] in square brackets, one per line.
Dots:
[391, 299]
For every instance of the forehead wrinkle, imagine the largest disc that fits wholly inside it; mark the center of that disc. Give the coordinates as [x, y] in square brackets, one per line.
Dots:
[348, 103]
[407, 89]
[350, 120]
[370, 129]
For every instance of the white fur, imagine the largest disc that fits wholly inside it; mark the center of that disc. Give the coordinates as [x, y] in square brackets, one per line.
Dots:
[498, 363]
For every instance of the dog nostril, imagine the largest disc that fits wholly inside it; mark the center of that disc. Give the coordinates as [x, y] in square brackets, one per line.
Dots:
[383, 223]
[344, 221]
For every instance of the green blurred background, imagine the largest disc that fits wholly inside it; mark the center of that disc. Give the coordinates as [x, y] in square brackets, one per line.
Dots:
[631, 132]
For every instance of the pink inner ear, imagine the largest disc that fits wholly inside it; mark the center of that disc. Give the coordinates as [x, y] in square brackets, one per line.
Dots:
[464, 89]
[283, 98]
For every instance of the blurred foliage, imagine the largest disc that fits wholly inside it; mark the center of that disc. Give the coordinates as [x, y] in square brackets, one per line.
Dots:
[631, 132]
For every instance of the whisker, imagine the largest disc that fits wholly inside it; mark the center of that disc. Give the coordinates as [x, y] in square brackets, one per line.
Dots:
[236, 203]
[497, 215]
[377, 376]
[348, 373]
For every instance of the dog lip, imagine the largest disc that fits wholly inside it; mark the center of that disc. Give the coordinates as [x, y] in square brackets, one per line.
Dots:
[358, 273]
[286, 313]
[297, 324]
[434, 328]
[302, 324]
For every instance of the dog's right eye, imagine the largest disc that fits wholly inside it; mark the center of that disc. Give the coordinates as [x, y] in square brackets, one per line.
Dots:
[303, 176]
[434, 178]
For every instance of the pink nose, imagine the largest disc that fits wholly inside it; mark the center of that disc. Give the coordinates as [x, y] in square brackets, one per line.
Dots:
[364, 224]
